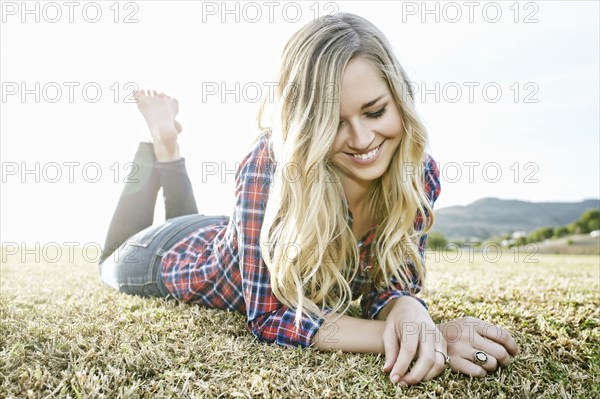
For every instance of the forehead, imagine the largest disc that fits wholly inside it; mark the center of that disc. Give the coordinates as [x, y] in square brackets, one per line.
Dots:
[361, 83]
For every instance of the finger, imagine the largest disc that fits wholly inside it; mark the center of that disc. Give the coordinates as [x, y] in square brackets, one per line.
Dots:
[440, 355]
[491, 363]
[425, 361]
[496, 351]
[479, 344]
[467, 367]
[499, 335]
[391, 347]
[408, 349]
[438, 367]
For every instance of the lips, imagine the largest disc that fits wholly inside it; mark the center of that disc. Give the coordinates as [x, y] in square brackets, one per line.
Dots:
[363, 160]
[364, 152]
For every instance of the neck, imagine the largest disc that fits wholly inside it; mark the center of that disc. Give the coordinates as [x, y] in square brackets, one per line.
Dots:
[356, 194]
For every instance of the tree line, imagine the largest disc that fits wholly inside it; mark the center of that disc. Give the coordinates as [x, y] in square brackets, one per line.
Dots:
[587, 222]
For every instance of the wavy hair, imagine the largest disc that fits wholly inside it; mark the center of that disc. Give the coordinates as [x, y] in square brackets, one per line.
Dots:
[306, 241]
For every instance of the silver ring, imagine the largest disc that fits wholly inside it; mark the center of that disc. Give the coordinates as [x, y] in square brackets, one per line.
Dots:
[446, 357]
[480, 357]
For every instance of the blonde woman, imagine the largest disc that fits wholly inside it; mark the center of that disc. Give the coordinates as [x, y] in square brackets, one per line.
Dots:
[333, 203]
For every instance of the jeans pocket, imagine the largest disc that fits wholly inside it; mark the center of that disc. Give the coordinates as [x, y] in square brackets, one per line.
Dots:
[145, 237]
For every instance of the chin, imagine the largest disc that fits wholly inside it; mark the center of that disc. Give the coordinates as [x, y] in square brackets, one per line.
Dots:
[365, 175]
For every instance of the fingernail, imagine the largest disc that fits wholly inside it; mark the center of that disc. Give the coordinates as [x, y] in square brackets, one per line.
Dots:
[395, 378]
[403, 384]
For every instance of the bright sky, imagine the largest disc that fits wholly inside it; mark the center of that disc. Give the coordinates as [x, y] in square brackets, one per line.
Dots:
[509, 92]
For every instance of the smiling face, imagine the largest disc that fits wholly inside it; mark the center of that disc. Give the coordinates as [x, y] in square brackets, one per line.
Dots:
[370, 127]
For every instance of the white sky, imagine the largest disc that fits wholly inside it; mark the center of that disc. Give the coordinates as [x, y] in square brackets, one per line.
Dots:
[183, 48]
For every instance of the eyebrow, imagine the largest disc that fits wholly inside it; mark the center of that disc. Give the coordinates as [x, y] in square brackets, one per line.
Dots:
[367, 105]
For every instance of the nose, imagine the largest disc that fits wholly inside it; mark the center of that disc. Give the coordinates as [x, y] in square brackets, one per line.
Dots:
[360, 138]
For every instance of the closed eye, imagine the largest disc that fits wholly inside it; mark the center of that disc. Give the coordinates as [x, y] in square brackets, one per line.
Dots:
[377, 114]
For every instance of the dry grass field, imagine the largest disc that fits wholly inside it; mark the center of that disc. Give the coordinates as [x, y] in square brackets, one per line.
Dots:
[64, 334]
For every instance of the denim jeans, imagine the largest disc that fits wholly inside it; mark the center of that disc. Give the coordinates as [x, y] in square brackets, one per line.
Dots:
[131, 258]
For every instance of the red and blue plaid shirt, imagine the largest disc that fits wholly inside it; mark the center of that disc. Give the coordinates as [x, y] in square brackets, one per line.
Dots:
[220, 265]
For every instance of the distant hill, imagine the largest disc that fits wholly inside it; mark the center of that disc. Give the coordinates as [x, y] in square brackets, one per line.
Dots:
[489, 217]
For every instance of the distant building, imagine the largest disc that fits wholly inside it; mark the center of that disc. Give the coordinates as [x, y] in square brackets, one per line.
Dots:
[507, 243]
[518, 234]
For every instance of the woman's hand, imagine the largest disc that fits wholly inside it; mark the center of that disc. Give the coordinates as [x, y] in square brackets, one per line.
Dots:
[409, 333]
[469, 335]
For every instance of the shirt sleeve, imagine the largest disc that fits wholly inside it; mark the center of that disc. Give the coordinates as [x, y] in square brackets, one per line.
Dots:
[268, 319]
[373, 301]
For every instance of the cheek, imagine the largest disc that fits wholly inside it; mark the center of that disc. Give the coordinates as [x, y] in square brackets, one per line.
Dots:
[337, 145]
[392, 125]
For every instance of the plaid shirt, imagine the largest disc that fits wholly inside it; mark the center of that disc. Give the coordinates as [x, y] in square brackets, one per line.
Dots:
[220, 265]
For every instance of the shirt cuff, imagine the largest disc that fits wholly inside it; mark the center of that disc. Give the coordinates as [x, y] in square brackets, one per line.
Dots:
[281, 329]
[384, 298]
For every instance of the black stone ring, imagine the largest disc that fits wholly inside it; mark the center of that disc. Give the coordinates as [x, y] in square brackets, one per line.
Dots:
[480, 357]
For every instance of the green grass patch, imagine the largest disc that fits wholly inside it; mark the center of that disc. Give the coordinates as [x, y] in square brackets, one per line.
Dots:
[64, 334]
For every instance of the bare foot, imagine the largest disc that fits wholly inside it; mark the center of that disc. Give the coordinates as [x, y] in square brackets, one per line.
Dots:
[160, 111]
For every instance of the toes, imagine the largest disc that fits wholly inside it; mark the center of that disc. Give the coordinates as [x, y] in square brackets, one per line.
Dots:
[138, 95]
[152, 93]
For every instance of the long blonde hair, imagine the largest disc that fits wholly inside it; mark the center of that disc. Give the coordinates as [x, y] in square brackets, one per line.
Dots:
[306, 241]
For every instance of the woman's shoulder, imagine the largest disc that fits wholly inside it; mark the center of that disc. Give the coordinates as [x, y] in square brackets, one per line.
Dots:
[431, 177]
[257, 163]
[430, 166]
[429, 162]
[260, 150]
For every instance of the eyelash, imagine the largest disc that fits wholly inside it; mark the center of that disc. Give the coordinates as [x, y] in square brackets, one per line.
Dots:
[375, 115]
[378, 114]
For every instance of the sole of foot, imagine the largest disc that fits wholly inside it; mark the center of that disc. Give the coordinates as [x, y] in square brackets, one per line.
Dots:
[159, 111]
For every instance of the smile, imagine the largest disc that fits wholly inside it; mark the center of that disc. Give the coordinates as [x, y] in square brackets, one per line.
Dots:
[366, 157]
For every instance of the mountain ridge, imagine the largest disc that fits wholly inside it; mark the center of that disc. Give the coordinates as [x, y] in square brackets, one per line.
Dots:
[491, 216]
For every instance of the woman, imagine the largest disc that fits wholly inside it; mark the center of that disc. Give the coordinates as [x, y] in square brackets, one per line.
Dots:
[333, 203]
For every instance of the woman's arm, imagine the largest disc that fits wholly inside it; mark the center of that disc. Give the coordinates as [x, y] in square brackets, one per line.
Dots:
[350, 334]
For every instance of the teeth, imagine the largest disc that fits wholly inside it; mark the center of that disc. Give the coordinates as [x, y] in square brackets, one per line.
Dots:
[367, 155]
